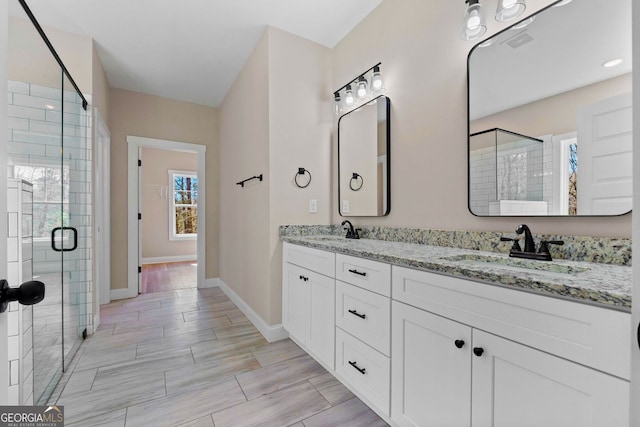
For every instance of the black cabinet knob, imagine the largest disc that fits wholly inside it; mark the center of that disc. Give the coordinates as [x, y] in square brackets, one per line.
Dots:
[459, 343]
[28, 293]
[478, 351]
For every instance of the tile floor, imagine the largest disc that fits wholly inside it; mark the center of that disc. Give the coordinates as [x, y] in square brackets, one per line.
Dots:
[189, 357]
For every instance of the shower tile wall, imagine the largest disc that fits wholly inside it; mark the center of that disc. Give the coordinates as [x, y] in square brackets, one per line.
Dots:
[20, 251]
[34, 140]
[499, 177]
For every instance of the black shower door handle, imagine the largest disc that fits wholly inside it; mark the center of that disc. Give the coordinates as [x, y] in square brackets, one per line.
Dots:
[63, 249]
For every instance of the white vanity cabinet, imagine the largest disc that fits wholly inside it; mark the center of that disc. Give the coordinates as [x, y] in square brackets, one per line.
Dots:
[308, 300]
[446, 372]
[425, 349]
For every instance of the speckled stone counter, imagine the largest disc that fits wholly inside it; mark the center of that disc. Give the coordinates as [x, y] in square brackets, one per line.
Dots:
[606, 285]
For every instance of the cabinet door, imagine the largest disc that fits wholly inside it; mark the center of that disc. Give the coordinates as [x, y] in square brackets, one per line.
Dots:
[295, 301]
[431, 369]
[515, 385]
[321, 332]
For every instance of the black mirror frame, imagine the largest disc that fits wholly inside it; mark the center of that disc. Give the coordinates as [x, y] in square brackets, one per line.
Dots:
[388, 130]
[469, 132]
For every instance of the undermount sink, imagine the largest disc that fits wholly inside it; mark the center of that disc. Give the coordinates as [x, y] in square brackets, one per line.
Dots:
[326, 238]
[516, 264]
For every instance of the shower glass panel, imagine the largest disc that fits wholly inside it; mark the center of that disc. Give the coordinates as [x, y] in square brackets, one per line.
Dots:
[76, 221]
[48, 146]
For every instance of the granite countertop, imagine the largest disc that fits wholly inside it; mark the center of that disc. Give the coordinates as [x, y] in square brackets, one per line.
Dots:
[605, 285]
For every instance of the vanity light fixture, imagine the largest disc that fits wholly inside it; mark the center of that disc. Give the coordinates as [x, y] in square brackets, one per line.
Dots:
[365, 90]
[523, 24]
[377, 84]
[612, 62]
[562, 3]
[473, 23]
[361, 88]
[509, 9]
[337, 103]
[349, 99]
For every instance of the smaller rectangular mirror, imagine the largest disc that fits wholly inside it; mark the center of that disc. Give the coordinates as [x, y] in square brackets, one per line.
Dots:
[363, 160]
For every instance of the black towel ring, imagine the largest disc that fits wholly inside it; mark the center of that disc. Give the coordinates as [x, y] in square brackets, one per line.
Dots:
[302, 171]
[355, 178]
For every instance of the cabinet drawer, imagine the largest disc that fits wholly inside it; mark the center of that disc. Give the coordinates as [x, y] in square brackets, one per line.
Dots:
[322, 262]
[364, 368]
[365, 315]
[371, 275]
[589, 335]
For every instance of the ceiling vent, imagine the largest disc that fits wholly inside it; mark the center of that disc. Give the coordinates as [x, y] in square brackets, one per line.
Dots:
[519, 40]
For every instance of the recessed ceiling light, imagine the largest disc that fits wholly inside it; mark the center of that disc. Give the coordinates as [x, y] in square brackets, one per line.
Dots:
[50, 107]
[612, 63]
[562, 3]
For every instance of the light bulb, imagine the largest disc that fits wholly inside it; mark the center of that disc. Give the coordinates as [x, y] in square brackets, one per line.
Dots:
[509, 9]
[377, 84]
[349, 99]
[336, 103]
[474, 24]
[361, 88]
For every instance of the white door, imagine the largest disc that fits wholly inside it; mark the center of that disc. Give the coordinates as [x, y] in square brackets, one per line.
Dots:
[515, 385]
[431, 369]
[321, 332]
[605, 157]
[295, 301]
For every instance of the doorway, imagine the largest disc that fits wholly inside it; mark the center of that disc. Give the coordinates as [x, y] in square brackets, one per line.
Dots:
[169, 193]
[136, 145]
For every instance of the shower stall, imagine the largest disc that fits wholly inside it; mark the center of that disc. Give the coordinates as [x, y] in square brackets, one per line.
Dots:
[507, 171]
[49, 150]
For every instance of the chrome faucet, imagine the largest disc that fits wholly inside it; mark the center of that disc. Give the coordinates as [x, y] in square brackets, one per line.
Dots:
[351, 233]
[529, 252]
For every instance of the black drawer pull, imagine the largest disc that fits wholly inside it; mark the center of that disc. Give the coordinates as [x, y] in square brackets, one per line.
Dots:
[478, 351]
[355, 366]
[355, 313]
[359, 273]
[306, 279]
[459, 343]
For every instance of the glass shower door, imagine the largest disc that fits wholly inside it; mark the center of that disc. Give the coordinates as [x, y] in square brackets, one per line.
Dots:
[49, 146]
[76, 222]
[34, 146]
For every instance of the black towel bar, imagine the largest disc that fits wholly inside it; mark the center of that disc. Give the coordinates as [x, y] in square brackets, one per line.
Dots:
[241, 183]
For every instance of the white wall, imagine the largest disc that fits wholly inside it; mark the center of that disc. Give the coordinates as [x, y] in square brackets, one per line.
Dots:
[424, 66]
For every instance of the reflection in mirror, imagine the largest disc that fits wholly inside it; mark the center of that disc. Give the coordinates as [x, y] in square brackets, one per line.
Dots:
[550, 114]
[363, 160]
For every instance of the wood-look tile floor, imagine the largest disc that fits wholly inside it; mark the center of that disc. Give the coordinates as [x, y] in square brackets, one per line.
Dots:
[191, 358]
[169, 276]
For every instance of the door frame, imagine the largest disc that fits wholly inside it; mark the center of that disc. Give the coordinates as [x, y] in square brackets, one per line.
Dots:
[133, 197]
[4, 338]
[102, 248]
[635, 309]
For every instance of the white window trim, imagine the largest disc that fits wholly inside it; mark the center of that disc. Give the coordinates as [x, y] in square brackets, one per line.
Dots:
[172, 223]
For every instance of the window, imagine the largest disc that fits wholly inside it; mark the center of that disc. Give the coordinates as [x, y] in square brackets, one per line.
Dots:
[183, 205]
[50, 196]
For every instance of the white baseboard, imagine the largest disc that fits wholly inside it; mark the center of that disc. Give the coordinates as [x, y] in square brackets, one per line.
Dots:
[270, 333]
[165, 259]
[213, 282]
[121, 294]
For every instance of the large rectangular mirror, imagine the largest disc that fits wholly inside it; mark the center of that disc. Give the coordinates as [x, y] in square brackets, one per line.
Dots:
[363, 160]
[550, 114]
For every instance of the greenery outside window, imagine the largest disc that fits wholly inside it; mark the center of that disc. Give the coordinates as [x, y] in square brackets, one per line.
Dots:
[183, 212]
[50, 196]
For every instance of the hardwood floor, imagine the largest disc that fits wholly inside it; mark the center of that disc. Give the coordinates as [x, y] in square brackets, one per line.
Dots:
[189, 357]
[169, 276]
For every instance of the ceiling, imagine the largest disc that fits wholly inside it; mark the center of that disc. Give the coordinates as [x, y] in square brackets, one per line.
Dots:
[191, 50]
